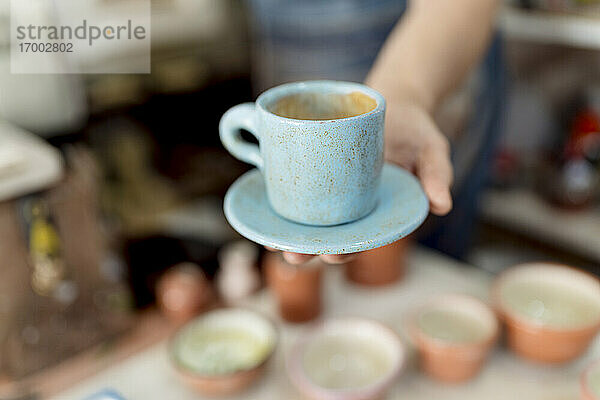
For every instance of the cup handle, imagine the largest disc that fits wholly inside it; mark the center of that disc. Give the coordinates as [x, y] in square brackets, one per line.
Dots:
[242, 116]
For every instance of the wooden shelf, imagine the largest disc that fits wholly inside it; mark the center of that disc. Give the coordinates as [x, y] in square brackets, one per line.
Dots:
[524, 212]
[550, 28]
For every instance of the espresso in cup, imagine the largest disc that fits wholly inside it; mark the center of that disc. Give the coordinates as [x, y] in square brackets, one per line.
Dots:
[320, 148]
[323, 106]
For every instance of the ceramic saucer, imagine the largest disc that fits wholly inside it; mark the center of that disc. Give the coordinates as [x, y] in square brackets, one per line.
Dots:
[402, 208]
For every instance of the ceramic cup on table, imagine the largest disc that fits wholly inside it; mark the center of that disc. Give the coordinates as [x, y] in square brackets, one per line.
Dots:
[320, 148]
[379, 267]
[551, 311]
[297, 288]
[346, 359]
[223, 351]
[454, 334]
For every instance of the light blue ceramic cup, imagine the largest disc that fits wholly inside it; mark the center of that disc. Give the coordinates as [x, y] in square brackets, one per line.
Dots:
[323, 170]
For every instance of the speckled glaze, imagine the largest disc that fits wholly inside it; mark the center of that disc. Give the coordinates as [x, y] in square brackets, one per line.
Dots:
[317, 172]
[402, 208]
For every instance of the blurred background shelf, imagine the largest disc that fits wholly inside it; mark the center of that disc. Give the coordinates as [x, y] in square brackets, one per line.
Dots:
[550, 28]
[525, 213]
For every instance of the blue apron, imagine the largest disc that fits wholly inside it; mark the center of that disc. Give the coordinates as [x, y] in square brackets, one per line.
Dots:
[316, 39]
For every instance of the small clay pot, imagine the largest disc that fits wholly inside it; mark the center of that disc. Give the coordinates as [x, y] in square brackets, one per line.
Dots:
[451, 361]
[183, 292]
[379, 267]
[588, 382]
[538, 342]
[296, 287]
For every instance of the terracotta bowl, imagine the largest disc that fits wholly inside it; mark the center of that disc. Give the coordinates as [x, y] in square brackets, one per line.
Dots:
[532, 330]
[204, 371]
[346, 359]
[454, 334]
[590, 382]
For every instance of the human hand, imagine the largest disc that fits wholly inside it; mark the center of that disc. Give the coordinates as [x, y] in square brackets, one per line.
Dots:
[414, 142]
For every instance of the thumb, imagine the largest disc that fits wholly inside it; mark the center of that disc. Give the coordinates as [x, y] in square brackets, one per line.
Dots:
[434, 169]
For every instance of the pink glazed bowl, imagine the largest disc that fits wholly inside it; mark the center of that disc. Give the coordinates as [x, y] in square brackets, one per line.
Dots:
[346, 359]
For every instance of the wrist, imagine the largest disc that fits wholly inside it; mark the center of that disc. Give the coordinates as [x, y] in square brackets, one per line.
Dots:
[402, 92]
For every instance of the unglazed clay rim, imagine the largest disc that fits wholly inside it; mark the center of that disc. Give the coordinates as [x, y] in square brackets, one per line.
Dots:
[584, 381]
[184, 370]
[390, 236]
[509, 315]
[418, 336]
[286, 89]
[303, 382]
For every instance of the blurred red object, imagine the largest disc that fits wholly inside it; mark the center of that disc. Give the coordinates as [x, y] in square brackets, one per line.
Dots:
[570, 176]
[183, 292]
[506, 170]
[584, 135]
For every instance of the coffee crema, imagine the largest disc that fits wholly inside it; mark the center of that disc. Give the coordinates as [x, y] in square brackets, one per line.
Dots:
[322, 106]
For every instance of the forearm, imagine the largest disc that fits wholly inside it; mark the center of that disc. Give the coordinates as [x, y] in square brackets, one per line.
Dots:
[432, 49]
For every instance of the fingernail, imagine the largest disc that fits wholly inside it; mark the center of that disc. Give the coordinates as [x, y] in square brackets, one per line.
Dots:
[443, 203]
